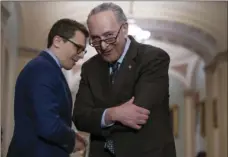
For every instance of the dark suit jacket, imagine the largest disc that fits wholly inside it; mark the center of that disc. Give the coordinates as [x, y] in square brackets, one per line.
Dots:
[42, 111]
[143, 74]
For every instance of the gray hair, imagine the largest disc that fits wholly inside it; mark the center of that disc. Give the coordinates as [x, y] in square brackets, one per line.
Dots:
[117, 10]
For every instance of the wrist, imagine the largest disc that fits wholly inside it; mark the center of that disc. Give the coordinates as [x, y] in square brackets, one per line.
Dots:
[111, 114]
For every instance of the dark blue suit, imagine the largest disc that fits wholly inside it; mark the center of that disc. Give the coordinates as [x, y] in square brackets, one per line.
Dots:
[42, 110]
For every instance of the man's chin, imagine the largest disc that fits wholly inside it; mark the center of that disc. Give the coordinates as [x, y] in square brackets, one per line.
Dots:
[108, 59]
[68, 67]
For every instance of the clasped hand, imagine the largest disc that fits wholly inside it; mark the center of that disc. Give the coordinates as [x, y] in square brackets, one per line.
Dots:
[129, 115]
[80, 143]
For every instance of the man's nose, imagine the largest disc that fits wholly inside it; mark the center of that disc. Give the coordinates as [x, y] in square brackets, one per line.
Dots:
[104, 45]
[81, 55]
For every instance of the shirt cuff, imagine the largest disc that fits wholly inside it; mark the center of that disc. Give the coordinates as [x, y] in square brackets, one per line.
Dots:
[103, 125]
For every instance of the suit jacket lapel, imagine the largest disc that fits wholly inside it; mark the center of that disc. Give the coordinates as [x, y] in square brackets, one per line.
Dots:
[67, 89]
[127, 68]
[68, 92]
[104, 77]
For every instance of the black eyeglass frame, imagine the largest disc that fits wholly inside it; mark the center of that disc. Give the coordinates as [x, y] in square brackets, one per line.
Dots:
[81, 49]
[110, 40]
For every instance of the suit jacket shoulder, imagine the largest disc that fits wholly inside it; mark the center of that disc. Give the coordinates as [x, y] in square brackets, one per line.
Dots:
[39, 63]
[92, 65]
[42, 64]
[92, 61]
[39, 68]
[148, 52]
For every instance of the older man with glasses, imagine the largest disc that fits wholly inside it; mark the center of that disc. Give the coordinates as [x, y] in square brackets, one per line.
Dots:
[123, 96]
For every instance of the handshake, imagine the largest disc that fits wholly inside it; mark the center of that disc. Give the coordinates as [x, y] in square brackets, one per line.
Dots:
[80, 143]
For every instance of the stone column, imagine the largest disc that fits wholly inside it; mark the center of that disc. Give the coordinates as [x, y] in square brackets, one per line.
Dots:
[189, 122]
[216, 90]
[214, 113]
[10, 32]
[208, 112]
[222, 103]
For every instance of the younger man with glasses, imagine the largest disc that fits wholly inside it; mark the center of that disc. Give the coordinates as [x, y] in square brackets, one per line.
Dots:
[123, 96]
[43, 103]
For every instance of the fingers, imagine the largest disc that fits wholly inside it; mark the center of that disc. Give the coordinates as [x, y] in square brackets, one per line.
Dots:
[79, 146]
[133, 125]
[138, 127]
[141, 122]
[137, 124]
[142, 110]
[80, 142]
[142, 117]
[81, 138]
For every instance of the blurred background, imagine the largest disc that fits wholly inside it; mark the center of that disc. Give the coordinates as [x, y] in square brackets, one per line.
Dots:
[193, 33]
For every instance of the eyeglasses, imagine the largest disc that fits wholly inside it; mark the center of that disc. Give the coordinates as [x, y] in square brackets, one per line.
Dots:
[80, 49]
[111, 40]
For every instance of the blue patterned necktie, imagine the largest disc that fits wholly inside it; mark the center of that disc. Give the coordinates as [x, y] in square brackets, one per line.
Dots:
[109, 144]
[114, 71]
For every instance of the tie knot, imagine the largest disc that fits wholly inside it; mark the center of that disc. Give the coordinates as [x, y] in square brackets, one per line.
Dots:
[114, 66]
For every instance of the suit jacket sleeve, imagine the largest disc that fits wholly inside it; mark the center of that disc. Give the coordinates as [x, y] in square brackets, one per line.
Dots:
[85, 116]
[152, 86]
[47, 121]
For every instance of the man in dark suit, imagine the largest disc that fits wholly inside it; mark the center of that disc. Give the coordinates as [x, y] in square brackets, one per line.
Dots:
[43, 103]
[123, 97]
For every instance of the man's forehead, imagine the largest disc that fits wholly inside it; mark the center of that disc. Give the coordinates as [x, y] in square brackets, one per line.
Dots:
[103, 15]
[102, 23]
[79, 38]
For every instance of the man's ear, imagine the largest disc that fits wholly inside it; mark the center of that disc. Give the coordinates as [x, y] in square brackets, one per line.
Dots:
[57, 40]
[125, 30]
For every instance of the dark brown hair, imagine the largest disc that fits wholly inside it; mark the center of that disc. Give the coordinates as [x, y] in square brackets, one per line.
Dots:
[66, 28]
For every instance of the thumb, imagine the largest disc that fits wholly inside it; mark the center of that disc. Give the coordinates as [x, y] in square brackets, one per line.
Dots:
[131, 100]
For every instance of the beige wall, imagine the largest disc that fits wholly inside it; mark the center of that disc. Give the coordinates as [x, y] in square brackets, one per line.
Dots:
[23, 58]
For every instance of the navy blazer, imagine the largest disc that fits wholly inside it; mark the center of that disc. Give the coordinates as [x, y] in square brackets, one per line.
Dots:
[42, 111]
